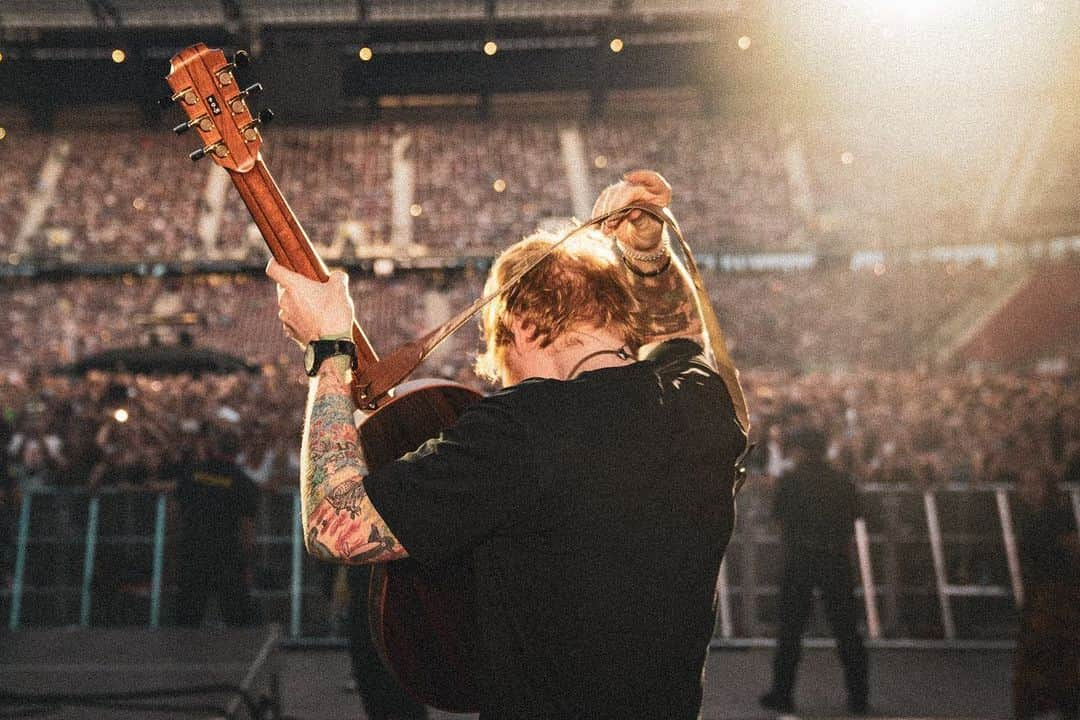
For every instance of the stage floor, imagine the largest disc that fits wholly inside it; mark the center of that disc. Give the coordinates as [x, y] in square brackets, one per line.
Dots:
[906, 684]
[313, 683]
[139, 674]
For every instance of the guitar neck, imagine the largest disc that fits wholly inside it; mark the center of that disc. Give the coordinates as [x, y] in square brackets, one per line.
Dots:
[288, 242]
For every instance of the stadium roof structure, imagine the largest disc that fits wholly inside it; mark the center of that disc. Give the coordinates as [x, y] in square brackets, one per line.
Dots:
[72, 52]
[175, 14]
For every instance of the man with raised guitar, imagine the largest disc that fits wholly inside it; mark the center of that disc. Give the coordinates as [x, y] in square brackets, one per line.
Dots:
[592, 496]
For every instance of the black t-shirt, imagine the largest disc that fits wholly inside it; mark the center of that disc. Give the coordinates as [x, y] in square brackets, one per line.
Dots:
[817, 505]
[594, 513]
[213, 496]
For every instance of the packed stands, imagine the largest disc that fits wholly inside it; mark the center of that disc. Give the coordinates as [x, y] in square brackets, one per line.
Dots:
[462, 204]
[859, 347]
[731, 185]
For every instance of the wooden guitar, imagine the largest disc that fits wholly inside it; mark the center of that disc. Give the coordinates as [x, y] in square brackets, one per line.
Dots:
[420, 618]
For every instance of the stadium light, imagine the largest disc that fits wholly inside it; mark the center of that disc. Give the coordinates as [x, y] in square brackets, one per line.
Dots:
[121, 415]
[616, 45]
[365, 53]
[118, 56]
[490, 48]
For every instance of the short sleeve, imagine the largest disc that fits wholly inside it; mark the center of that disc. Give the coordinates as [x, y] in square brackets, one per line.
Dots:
[459, 488]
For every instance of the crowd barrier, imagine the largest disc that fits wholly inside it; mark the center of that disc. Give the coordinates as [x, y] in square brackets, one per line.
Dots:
[938, 565]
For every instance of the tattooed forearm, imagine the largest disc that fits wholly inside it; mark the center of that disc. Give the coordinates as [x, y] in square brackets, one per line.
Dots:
[667, 305]
[340, 524]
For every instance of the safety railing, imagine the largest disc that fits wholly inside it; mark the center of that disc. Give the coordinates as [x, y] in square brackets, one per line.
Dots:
[939, 564]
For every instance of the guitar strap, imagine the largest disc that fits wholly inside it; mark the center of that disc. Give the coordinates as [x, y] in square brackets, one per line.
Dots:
[378, 379]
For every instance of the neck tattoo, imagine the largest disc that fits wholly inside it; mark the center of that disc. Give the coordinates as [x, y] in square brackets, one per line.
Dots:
[622, 353]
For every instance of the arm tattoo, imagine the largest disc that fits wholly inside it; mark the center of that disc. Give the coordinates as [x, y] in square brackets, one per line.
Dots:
[340, 524]
[667, 305]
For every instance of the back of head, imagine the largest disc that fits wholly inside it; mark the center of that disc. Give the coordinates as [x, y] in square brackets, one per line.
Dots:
[812, 442]
[580, 285]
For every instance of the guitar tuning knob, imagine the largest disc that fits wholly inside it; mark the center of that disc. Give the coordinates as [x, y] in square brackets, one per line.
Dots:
[217, 149]
[241, 59]
[252, 89]
[266, 116]
[202, 122]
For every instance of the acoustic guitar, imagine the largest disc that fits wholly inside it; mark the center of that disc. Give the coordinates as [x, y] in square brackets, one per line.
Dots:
[420, 618]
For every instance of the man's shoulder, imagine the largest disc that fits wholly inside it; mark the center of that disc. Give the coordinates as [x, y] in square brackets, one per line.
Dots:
[675, 351]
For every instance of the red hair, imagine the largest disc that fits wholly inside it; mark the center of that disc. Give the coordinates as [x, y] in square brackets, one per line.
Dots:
[580, 284]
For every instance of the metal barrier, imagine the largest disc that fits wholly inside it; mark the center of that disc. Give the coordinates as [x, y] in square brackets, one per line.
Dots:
[912, 566]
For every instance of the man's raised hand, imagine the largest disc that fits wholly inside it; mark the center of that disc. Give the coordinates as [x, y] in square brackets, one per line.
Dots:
[309, 309]
[635, 229]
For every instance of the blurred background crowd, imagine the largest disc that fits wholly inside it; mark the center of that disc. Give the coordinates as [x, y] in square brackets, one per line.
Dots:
[875, 350]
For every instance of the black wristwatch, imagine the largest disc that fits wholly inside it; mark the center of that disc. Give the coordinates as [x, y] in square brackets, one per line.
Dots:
[319, 350]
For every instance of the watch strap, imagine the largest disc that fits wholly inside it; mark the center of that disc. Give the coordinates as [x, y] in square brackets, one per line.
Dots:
[328, 348]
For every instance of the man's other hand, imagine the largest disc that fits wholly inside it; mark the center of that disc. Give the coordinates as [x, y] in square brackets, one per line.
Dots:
[635, 229]
[309, 309]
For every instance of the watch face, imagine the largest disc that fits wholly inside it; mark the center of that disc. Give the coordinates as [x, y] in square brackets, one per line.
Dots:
[309, 357]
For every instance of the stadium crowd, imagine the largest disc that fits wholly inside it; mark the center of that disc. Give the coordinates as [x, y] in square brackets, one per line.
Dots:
[914, 427]
[846, 349]
[475, 186]
[822, 318]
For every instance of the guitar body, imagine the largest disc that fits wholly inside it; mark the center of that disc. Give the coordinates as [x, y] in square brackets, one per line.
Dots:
[421, 618]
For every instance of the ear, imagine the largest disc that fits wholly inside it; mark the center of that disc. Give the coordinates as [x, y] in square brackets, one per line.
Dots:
[524, 335]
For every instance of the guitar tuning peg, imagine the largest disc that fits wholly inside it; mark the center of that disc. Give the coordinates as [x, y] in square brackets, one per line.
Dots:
[202, 122]
[241, 59]
[217, 148]
[250, 131]
[237, 103]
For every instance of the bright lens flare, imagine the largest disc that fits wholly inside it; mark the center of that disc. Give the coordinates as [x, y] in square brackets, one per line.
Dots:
[744, 42]
[416, 210]
[118, 56]
[499, 185]
[365, 53]
[616, 45]
[3, 133]
[490, 48]
[121, 415]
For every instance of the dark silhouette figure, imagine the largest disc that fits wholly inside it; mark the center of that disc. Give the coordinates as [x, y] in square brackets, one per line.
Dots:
[218, 503]
[1047, 672]
[816, 506]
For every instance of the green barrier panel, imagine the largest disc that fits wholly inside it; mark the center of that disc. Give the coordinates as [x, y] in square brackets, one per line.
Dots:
[88, 559]
[159, 562]
[20, 563]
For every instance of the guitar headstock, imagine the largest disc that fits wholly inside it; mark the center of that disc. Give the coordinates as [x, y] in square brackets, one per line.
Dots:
[204, 84]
